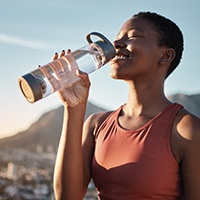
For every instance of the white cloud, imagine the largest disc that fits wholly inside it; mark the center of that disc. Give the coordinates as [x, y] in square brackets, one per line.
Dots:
[4, 38]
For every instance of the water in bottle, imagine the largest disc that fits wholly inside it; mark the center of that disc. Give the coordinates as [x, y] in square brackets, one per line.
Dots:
[61, 72]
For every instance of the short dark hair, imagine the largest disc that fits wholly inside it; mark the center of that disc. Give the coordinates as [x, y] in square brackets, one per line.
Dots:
[170, 35]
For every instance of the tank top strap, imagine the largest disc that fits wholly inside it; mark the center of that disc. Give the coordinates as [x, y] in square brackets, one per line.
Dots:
[166, 116]
[171, 111]
[109, 120]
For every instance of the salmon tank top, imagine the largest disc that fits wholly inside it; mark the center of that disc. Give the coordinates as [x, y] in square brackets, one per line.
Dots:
[136, 164]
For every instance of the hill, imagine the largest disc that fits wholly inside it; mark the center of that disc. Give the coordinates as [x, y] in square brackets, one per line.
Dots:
[190, 102]
[45, 133]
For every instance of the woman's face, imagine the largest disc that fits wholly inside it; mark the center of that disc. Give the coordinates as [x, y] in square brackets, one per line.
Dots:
[137, 50]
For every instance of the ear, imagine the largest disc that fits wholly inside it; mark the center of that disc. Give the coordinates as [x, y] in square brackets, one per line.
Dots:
[167, 56]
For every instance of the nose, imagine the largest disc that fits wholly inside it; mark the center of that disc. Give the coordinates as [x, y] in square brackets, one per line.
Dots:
[119, 44]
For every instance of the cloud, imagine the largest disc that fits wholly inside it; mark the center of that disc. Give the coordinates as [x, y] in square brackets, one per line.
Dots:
[13, 40]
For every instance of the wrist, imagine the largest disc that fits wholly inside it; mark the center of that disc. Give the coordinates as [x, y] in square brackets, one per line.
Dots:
[75, 108]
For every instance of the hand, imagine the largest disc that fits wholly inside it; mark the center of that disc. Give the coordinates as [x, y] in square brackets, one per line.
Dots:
[78, 92]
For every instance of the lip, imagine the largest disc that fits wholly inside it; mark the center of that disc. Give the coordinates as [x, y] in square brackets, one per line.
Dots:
[121, 57]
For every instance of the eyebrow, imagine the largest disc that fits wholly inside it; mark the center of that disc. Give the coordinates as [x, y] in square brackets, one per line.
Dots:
[133, 28]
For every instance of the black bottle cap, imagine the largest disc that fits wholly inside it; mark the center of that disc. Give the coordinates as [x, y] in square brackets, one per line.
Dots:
[30, 88]
[104, 44]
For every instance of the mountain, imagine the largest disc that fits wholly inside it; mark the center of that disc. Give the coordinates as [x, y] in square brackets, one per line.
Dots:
[190, 102]
[46, 131]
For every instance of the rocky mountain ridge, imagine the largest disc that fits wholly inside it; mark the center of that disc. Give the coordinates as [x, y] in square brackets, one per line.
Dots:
[45, 133]
[190, 102]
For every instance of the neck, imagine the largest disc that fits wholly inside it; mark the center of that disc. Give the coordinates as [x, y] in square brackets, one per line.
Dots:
[145, 99]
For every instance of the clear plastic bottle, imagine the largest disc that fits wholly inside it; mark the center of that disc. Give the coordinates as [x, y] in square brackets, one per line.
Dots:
[61, 73]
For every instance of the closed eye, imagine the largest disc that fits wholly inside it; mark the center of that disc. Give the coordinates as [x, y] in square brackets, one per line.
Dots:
[134, 33]
[134, 37]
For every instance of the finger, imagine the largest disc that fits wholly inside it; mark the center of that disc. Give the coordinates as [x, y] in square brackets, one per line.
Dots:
[84, 78]
[55, 56]
[62, 53]
[68, 51]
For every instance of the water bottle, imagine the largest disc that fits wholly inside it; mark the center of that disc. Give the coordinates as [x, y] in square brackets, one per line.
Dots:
[61, 72]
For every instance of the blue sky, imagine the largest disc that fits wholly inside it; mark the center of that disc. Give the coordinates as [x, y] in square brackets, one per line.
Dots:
[31, 31]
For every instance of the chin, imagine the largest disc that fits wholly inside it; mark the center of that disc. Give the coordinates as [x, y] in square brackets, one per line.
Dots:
[114, 75]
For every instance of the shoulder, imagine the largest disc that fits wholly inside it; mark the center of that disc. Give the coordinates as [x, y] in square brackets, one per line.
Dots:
[187, 125]
[96, 119]
[188, 133]
[185, 135]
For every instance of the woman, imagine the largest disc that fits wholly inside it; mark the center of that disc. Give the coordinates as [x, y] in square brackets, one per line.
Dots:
[149, 147]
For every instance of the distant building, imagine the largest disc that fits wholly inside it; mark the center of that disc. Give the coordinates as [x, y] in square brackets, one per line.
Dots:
[50, 149]
[39, 148]
[11, 170]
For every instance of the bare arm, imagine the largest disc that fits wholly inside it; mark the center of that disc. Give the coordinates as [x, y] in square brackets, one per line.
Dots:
[72, 172]
[69, 173]
[189, 129]
[70, 176]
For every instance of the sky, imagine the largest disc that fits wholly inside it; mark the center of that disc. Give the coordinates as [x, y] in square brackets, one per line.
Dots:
[31, 31]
